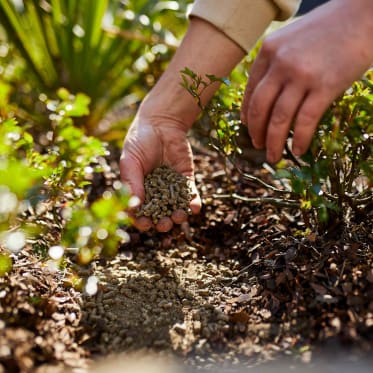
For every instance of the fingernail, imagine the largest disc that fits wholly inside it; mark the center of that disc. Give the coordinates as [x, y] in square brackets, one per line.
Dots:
[270, 157]
[255, 144]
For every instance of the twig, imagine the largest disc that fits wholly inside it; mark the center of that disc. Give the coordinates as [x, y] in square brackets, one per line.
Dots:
[282, 181]
[258, 180]
[290, 154]
[247, 176]
[275, 201]
[341, 273]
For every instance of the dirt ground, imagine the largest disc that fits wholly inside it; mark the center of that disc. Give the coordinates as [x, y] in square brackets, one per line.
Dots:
[235, 287]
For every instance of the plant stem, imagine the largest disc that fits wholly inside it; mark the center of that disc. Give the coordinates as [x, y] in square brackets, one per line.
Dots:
[275, 201]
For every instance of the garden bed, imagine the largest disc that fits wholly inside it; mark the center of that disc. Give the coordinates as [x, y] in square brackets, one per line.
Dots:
[239, 285]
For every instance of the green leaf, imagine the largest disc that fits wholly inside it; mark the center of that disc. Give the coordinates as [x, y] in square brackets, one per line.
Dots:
[6, 264]
[297, 185]
[322, 214]
[77, 107]
[189, 73]
[283, 174]
[214, 78]
[19, 177]
[103, 208]
[63, 94]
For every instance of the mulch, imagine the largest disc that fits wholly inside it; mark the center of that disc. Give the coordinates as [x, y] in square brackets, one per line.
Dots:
[277, 287]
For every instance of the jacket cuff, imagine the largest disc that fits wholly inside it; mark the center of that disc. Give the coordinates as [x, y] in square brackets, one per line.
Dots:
[287, 8]
[243, 21]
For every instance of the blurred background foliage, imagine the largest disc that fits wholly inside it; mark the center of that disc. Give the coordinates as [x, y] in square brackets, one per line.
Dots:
[112, 51]
[71, 69]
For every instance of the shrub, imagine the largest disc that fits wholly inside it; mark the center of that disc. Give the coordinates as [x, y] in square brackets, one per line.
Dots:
[43, 193]
[332, 182]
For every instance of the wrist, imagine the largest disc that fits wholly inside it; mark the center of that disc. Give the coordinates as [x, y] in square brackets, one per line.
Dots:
[360, 13]
[168, 101]
[205, 50]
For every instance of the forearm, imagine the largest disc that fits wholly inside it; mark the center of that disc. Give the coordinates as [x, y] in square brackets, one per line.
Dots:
[205, 50]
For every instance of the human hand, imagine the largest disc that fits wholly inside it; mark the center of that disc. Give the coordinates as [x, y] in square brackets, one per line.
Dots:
[157, 136]
[151, 142]
[301, 69]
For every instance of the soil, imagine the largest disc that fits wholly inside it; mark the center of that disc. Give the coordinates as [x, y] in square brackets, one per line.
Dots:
[239, 285]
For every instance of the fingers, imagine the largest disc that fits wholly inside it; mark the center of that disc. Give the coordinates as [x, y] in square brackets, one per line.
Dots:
[291, 106]
[309, 115]
[132, 174]
[143, 224]
[260, 106]
[257, 72]
[179, 216]
[304, 110]
[281, 118]
[196, 203]
[276, 103]
[164, 225]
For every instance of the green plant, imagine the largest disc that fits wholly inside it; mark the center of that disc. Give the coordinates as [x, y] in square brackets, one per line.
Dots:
[99, 229]
[90, 46]
[17, 178]
[43, 188]
[333, 181]
[224, 121]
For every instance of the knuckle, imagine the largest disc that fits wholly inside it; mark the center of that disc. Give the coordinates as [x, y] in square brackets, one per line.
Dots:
[308, 117]
[304, 73]
[254, 108]
[283, 61]
[289, 66]
[254, 113]
[294, 67]
[268, 47]
[280, 117]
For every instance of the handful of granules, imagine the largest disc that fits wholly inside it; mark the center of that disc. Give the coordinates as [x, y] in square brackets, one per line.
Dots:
[165, 191]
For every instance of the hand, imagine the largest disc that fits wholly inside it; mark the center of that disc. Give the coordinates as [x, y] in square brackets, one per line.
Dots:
[152, 142]
[158, 134]
[301, 69]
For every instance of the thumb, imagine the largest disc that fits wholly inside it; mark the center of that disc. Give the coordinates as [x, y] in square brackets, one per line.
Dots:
[195, 203]
[132, 174]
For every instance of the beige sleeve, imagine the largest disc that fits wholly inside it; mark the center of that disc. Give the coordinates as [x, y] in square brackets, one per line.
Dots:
[244, 21]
